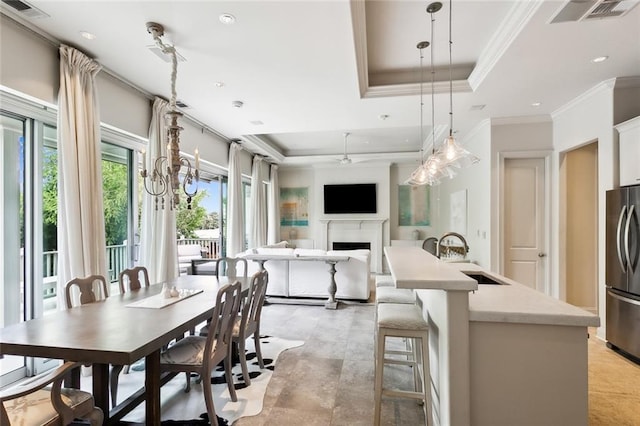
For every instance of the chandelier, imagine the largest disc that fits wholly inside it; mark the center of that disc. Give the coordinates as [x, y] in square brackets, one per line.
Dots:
[172, 173]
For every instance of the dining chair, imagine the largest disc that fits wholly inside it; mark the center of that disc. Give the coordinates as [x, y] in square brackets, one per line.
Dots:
[132, 277]
[86, 289]
[43, 401]
[228, 266]
[248, 323]
[201, 354]
[87, 295]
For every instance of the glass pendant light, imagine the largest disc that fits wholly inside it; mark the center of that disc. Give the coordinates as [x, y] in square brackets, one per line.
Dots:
[451, 152]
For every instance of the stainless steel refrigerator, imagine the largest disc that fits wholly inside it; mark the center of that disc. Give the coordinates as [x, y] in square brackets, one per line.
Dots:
[623, 269]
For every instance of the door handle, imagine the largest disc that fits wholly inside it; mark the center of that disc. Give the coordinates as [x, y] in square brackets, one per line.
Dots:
[618, 238]
[542, 254]
[626, 237]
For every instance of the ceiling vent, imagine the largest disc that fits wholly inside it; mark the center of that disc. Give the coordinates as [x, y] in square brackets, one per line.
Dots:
[580, 10]
[25, 9]
[181, 104]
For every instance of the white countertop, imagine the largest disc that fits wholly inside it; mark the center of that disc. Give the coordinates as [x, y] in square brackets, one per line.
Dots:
[415, 268]
[516, 303]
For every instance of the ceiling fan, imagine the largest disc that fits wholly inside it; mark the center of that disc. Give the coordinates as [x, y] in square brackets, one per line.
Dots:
[345, 159]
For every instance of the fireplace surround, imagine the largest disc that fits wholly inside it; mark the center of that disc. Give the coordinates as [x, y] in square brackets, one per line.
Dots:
[358, 230]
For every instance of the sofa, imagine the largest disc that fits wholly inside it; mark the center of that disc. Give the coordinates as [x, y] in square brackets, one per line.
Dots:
[293, 276]
[187, 253]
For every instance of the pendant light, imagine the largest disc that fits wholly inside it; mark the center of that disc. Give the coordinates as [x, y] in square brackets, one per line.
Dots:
[451, 152]
[431, 171]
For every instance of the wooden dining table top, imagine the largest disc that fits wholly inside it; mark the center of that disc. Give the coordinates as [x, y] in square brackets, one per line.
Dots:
[110, 331]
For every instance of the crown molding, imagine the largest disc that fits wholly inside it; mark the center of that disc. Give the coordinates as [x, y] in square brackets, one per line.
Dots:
[458, 86]
[359, 24]
[607, 85]
[519, 15]
[260, 145]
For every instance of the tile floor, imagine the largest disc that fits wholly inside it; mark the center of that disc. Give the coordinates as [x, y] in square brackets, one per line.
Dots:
[328, 380]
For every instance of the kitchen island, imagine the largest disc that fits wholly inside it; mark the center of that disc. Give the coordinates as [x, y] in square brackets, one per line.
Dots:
[502, 353]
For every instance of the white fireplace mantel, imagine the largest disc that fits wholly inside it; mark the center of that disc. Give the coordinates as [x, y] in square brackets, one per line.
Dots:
[356, 229]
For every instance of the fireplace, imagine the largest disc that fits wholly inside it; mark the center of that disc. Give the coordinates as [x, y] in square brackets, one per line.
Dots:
[352, 231]
[351, 245]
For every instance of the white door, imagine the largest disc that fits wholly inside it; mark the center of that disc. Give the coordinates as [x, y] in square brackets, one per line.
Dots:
[524, 221]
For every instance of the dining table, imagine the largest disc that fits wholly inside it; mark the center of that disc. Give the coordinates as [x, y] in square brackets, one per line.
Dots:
[120, 330]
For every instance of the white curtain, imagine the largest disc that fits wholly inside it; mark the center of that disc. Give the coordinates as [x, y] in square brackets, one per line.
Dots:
[235, 227]
[81, 240]
[258, 204]
[273, 201]
[158, 246]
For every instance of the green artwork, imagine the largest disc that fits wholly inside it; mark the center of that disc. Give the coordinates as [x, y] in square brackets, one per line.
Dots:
[414, 205]
[294, 206]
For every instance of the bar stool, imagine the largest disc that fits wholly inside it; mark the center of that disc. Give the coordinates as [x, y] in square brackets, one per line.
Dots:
[384, 281]
[405, 321]
[395, 295]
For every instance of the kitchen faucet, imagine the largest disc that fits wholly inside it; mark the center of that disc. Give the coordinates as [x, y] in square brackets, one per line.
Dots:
[452, 234]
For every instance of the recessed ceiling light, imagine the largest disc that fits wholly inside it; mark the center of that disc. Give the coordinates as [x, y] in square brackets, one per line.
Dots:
[87, 35]
[383, 116]
[237, 104]
[227, 18]
[219, 83]
[478, 107]
[536, 104]
[599, 59]
[256, 122]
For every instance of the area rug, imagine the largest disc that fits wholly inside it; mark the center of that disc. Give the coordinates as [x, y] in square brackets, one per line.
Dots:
[180, 408]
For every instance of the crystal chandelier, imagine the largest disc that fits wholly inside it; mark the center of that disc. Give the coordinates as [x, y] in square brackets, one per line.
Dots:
[165, 177]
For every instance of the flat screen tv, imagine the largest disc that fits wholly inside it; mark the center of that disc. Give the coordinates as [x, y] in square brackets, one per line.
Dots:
[350, 198]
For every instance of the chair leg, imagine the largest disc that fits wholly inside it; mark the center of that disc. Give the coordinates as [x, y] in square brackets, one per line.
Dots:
[426, 381]
[242, 354]
[114, 377]
[187, 388]
[256, 343]
[379, 365]
[229, 377]
[208, 400]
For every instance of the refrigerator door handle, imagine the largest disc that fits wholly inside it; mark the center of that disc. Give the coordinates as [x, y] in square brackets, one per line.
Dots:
[619, 239]
[624, 299]
[626, 237]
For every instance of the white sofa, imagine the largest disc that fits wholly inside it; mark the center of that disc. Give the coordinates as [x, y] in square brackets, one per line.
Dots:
[292, 277]
[187, 253]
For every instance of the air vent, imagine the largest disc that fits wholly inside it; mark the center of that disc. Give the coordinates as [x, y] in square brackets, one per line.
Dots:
[181, 104]
[25, 9]
[580, 10]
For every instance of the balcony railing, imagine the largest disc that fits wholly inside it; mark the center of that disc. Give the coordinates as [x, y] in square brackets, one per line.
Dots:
[117, 256]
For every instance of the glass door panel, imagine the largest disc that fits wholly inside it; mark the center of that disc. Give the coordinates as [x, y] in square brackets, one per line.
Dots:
[12, 292]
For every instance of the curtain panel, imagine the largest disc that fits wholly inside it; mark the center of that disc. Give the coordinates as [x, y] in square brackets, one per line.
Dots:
[273, 201]
[81, 229]
[158, 238]
[258, 204]
[235, 226]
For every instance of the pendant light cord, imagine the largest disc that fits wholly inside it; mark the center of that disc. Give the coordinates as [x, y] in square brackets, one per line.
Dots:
[450, 74]
[433, 71]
